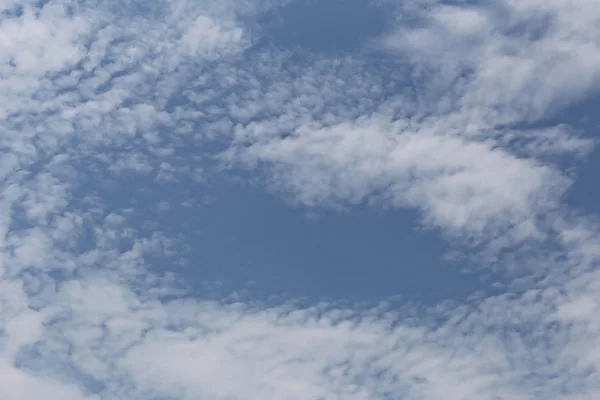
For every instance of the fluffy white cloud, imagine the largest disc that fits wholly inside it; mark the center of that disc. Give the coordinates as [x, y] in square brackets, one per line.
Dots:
[459, 184]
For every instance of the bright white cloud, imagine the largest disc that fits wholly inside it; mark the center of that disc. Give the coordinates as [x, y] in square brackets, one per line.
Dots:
[461, 185]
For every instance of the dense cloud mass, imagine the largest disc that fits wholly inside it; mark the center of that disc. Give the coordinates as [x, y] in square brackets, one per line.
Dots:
[454, 111]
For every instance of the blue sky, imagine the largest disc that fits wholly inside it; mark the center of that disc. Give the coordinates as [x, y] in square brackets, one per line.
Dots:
[300, 199]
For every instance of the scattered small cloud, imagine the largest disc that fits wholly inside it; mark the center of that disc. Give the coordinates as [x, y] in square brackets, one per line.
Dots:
[451, 121]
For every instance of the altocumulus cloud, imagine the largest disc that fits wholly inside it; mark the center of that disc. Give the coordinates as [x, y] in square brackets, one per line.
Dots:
[118, 89]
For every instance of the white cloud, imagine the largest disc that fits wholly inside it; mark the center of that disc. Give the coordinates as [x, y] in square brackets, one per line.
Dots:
[89, 319]
[524, 59]
[206, 35]
[444, 147]
[18, 385]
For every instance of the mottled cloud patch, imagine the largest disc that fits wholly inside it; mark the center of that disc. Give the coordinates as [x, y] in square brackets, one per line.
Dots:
[441, 123]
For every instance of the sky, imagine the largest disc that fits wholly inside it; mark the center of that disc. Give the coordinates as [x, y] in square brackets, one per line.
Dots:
[299, 199]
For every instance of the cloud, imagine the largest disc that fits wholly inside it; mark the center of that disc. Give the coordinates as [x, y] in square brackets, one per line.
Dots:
[19, 385]
[516, 56]
[460, 145]
[188, 348]
[98, 90]
[460, 185]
